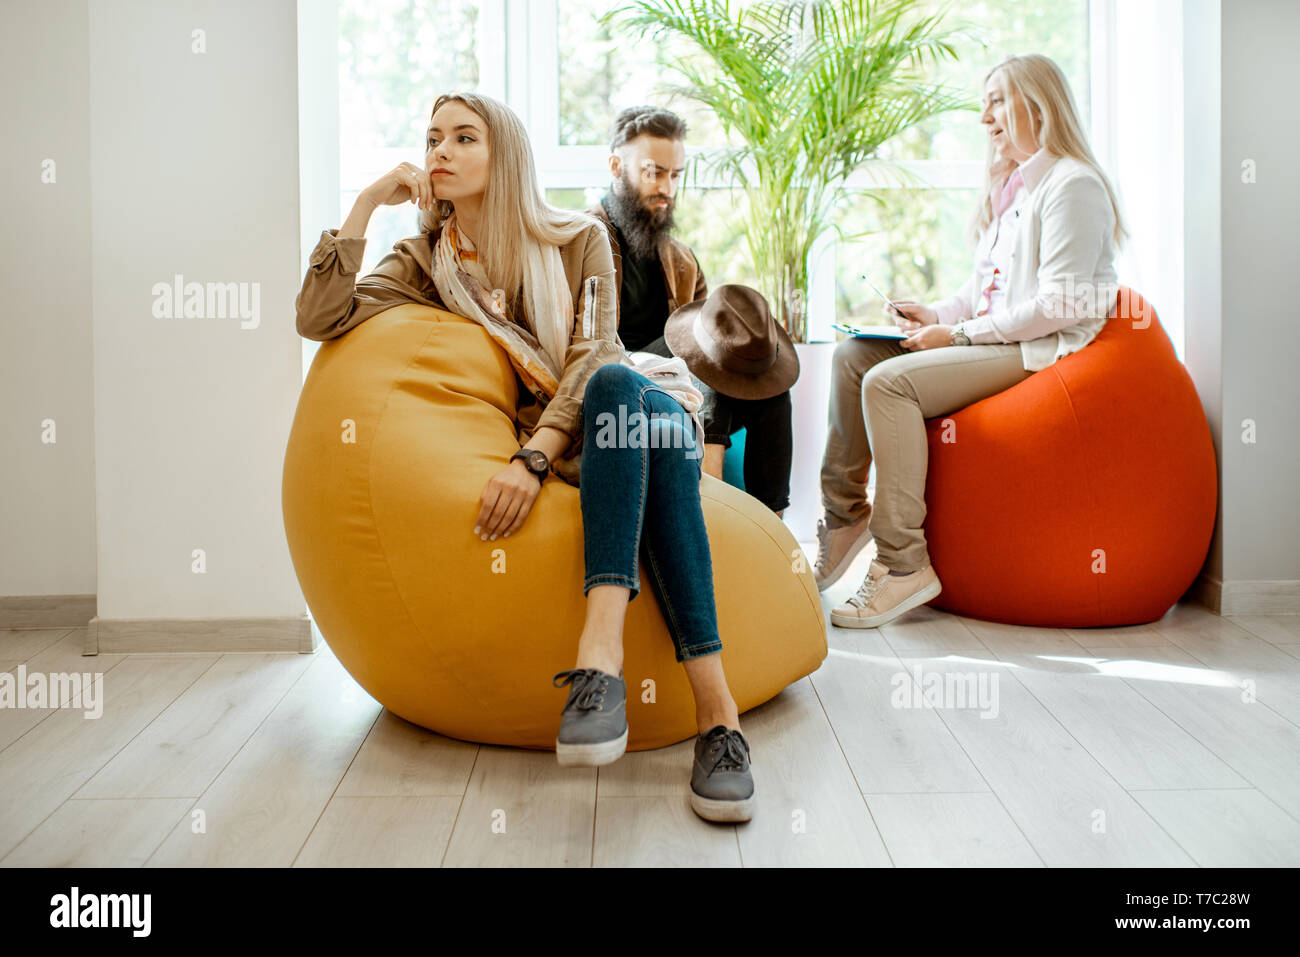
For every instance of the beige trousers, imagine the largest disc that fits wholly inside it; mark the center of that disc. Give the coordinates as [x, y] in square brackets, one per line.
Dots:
[881, 395]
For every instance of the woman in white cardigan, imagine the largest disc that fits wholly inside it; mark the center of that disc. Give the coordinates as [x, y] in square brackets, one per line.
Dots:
[1047, 226]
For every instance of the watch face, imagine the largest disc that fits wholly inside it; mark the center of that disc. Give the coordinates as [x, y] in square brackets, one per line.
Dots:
[537, 461]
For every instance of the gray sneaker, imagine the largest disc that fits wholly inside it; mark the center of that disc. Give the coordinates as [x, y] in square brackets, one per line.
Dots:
[722, 788]
[593, 726]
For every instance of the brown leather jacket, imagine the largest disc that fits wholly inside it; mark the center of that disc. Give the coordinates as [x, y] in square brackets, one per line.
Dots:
[333, 300]
[682, 272]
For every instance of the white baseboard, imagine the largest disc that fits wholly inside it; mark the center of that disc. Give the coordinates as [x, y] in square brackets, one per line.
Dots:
[218, 635]
[46, 611]
[1246, 597]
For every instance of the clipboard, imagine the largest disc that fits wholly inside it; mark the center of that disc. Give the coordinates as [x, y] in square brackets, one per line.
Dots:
[864, 331]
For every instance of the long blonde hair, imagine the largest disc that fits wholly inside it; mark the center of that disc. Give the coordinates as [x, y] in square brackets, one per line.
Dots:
[1038, 81]
[516, 216]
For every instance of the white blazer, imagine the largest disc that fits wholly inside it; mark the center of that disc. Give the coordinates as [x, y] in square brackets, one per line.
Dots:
[1061, 285]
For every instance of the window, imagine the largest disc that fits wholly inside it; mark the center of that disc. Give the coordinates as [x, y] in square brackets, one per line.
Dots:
[567, 75]
[395, 57]
[915, 247]
[600, 73]
[1055, 28]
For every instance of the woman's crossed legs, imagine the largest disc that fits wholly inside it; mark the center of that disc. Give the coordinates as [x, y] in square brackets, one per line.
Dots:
[640, 492]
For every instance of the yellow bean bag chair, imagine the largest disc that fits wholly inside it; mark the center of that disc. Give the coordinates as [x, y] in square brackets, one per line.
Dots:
[400, 424]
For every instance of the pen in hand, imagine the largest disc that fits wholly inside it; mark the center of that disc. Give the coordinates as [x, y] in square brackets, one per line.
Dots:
[902, 320]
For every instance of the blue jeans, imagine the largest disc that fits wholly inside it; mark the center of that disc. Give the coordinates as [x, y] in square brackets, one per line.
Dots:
[640, 473]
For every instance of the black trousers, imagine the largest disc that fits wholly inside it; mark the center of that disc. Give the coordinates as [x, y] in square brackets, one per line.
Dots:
[769, 440]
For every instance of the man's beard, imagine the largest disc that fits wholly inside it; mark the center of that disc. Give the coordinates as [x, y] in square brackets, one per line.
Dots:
[643, 228]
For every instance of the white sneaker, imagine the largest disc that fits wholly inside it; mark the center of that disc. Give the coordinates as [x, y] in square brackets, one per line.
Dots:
[882, 597]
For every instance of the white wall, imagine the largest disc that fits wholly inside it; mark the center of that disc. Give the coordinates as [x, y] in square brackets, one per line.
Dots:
[47, 491]
[318, 133]
[1202, 227]
[1261, 256]
[195, 172]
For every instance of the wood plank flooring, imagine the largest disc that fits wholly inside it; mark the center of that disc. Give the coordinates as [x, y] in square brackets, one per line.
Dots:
[935, 740]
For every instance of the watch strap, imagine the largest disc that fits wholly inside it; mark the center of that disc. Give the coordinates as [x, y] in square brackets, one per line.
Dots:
[527, 455]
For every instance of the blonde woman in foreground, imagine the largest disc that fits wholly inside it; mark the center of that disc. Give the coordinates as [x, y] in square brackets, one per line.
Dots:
[541, 283]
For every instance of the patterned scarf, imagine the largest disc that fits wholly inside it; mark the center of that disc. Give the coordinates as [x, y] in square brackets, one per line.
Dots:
[463, 285]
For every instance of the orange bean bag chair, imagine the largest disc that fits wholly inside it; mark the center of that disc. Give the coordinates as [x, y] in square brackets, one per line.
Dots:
[1083, 496]
[399, 425]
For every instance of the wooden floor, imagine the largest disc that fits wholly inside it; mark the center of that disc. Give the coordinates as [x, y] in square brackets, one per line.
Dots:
[1176, 743]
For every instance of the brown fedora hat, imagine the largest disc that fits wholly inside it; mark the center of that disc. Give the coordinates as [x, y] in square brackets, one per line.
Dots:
[731, 343]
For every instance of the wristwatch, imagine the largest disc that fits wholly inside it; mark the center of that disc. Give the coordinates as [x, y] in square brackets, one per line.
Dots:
[535, 461]
[959, 338]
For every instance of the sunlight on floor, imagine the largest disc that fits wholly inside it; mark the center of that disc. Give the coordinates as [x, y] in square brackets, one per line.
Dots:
[1152, 671]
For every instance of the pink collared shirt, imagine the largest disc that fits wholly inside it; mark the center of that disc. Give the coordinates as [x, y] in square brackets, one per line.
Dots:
[993, 257]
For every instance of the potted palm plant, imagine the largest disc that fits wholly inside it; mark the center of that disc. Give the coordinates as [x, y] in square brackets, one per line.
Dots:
[807, 91]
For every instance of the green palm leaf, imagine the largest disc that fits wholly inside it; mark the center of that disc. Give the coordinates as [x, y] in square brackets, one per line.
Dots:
[810, 90]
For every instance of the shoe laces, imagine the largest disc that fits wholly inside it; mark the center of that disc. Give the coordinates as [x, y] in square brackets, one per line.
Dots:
[587, 688]
[730, 748]
[867, 591]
